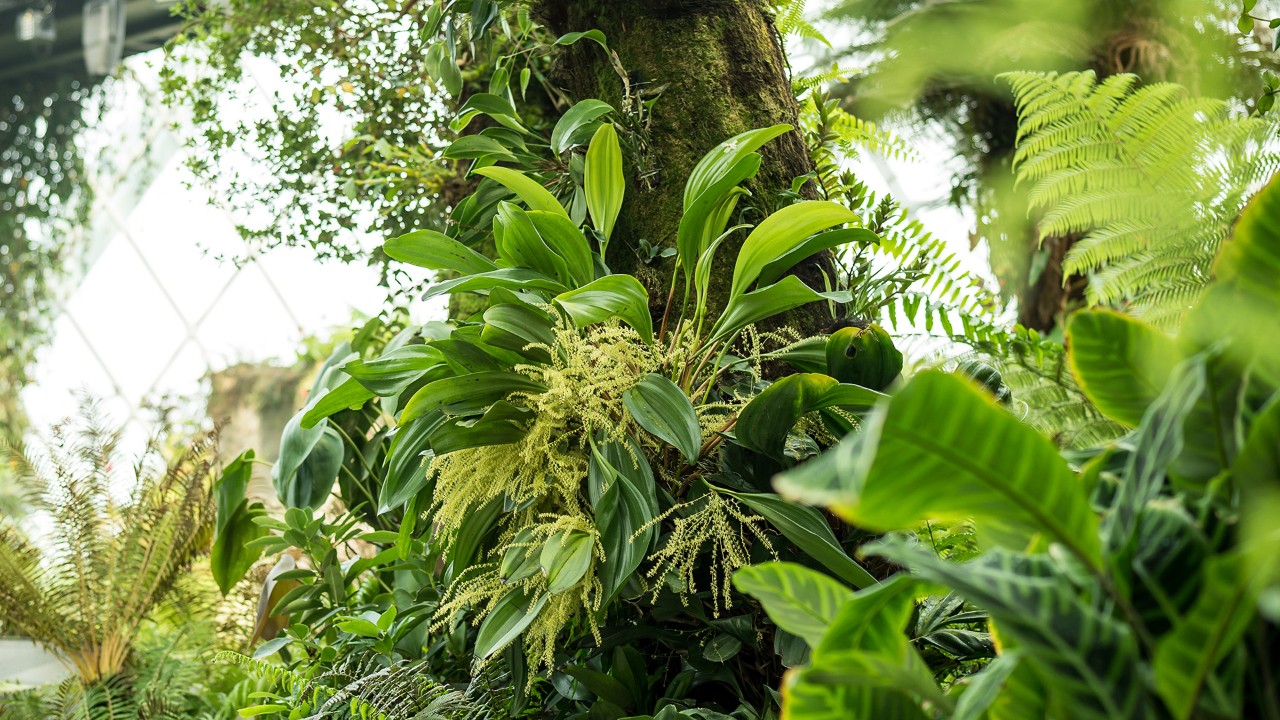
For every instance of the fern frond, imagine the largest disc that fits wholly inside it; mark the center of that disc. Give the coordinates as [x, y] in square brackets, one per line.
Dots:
[1149, 177]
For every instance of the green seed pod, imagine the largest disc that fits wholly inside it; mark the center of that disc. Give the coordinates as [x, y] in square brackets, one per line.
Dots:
[989, 378]
[863, 356]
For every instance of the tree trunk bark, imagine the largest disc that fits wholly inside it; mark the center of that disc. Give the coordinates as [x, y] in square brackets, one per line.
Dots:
[721, 71]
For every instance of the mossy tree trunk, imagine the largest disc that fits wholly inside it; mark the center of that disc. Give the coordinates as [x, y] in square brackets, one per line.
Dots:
[722, 71]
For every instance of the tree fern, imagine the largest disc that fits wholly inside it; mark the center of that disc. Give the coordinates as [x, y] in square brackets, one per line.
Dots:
[102, 567]
[1150, 178]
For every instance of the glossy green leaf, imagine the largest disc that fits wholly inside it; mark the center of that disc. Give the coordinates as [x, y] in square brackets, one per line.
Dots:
[705, 217]
[521, 245]
[501, 423]
[476, 527]
[396, 370]
[472, 392]
[496, 107]
[603, 181]
[780, 234]
[716, 164]
[520, 559]
[359, 626]
[808, 529]
[566, 240]
[912, 462]
[509, 617]
[231, 485]
[799, 600]
[786, 294]
[406, 469]
[575, 126]
[814, 245]
[515, 279]
[478, 147]
[593, 35]
[565, 558]
[1121, 363]
[435, 251]
[764, 423]
[533, 194]
[517, 326]
[623, 512]
[231, 555]
[662, 409]
[349, 395]
[309, 485]
[620, 296]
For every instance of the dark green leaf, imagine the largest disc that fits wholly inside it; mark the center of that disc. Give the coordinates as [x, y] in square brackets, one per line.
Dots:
[662, 408]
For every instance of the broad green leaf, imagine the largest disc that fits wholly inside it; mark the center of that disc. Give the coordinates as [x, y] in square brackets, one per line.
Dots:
[514, 279]
[469, 392]
[533, 194]
[780, 234]
[574, 127]
[496, 107]
[786, 294]
[799, 600]
[810, 532]
[521, 245]
[1091, 657]
[435, 251]
[620, 296]
[509, 617]
[704, 218]
[1121, 363]
[594, 35]
[623, 512]
[310, 483]
[359, 626]
[502, 423]
[603, 181]
[520, 559]
[566, 240]
[393, 372]
[406, 469]
[479, 147]
[714, 165]
[866, 645]
[231, 485]
[231, 555]
[476, 527]
[516, 326]
[814, 245]
[764, 423]
[1187, 657]
[662, 409]
[565, 558]
[349, 395]
[941, 448]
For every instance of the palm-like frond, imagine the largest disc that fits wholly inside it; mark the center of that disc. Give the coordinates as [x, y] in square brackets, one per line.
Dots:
[363, 685]
[1150, 177]
[103, 566]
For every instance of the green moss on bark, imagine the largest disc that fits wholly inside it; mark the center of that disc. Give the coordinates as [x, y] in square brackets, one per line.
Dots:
[724, 73]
